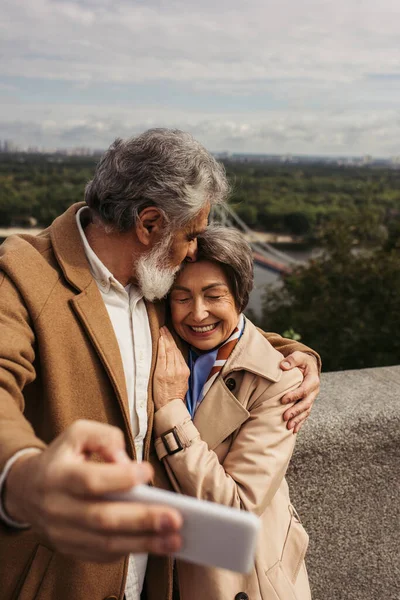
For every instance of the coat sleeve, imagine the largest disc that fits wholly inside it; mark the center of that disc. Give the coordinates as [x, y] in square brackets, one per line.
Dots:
[256, 463]
[286, 346]
[16, 371]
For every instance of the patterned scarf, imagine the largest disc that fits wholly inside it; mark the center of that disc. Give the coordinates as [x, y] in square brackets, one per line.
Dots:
[198, 364]
[224, 352]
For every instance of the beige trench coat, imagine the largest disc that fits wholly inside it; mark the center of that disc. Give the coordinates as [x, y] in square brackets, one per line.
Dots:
[59, 362]
[236, 452]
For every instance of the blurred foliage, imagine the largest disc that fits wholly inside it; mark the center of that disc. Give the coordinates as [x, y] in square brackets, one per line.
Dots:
[346, 303]
[290, 334]
[285, 198]
[40, 186]
[298, 199]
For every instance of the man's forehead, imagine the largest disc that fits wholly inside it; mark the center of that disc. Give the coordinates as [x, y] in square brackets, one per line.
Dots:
[199, 224]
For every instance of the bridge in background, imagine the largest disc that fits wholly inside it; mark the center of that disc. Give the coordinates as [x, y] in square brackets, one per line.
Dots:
[265, 255]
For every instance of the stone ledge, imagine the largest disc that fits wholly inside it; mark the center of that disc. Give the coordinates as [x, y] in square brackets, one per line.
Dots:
[344, 480]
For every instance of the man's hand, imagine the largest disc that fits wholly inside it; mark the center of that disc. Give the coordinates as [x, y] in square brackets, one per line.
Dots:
[59, 492]
[304, 395]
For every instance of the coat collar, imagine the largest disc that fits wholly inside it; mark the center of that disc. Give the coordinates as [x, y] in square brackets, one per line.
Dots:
[255, 354]
[68, 249]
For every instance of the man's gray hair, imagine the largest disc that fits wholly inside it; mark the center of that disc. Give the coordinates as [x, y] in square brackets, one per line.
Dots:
[228, 248]
[165, 168]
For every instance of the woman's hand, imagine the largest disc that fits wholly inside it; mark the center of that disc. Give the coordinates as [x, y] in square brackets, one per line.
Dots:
[172, 373]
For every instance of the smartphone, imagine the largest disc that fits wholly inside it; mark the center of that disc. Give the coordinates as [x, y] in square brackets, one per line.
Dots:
[213, 535]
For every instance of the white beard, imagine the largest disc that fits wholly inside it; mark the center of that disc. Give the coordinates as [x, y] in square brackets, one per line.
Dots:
[154, 280]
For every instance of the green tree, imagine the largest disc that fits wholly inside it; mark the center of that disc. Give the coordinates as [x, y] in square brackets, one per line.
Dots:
[346, 303]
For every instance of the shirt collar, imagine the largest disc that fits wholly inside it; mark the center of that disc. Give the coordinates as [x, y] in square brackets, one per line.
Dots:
[99, 271]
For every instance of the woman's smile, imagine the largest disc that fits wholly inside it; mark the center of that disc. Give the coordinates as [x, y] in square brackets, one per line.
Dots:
[203, 328]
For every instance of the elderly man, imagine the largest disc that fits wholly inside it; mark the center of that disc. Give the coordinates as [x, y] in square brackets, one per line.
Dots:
[78, 339]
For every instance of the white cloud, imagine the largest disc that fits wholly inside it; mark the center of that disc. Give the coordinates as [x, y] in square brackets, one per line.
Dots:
[193, 41]
[327, 132]
[309, 61]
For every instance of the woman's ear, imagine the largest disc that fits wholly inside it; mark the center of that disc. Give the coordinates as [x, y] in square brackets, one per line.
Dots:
[149, 225]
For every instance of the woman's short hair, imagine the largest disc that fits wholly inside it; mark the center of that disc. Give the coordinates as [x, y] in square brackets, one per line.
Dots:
[166, 168]
[228, 248]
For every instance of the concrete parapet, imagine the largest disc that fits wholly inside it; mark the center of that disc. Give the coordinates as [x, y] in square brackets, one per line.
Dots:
[345, 483]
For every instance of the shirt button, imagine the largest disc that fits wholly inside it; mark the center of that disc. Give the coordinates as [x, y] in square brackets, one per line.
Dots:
[241, 596]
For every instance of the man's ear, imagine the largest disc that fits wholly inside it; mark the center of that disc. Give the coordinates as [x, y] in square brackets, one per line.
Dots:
[149, 225]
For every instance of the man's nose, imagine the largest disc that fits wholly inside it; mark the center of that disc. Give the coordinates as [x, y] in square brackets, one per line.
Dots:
[191, 255]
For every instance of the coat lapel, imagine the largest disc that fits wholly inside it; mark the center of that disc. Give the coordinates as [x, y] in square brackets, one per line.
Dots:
[88, 304]
[92, 313]
[219, 414]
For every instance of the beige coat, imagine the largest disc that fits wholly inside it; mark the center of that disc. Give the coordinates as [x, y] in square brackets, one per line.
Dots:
[237, 455]
[59, 362]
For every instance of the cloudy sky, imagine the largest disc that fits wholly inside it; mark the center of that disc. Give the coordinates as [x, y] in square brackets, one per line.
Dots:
[284, 76]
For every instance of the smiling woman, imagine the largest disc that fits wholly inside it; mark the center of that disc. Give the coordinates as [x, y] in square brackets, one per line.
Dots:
[224, 409]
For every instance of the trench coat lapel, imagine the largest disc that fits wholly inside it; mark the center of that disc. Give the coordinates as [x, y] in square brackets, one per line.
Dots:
[219, 414]
[88, 304]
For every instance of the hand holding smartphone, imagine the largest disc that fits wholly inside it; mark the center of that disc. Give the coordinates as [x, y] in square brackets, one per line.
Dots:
[213, 535]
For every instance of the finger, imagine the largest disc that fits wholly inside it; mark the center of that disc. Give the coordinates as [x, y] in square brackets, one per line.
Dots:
[85, 437]
[299, 426]
[179, 359]
[299, 359]
[294, 395]
[297, 409]
[292, 360]
[161, 353]
[132, 518]
[94, 479]
[169, 351]
[104, 547]
[171, 342]
[311, 381]
[175, 354]
[299, 393]
[298, 421]
[169, 336]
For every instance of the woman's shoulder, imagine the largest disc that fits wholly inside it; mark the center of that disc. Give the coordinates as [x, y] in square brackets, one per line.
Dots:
[257, 356]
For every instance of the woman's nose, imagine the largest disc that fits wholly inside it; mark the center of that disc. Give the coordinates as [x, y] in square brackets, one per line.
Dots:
[199, 311]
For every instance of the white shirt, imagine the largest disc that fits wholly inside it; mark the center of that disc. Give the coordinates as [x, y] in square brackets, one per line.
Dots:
[128, 316]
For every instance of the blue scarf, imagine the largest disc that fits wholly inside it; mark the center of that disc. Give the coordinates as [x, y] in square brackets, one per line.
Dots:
[205, 368]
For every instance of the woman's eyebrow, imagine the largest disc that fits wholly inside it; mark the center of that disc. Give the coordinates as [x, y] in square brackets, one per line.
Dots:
[212, 285]
[180, 288]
